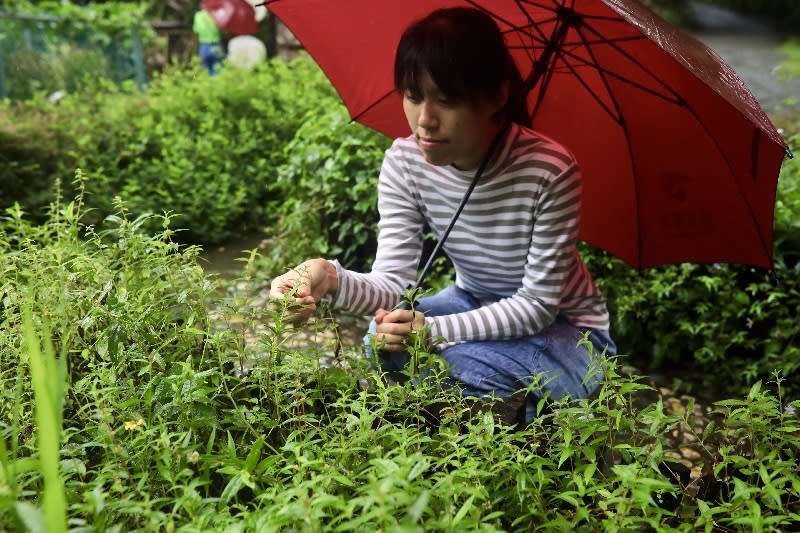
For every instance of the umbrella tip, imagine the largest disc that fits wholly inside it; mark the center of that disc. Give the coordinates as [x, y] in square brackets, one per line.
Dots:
[789, 153]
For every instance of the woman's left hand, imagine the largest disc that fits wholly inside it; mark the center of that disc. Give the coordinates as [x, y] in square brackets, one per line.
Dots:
[395, 328]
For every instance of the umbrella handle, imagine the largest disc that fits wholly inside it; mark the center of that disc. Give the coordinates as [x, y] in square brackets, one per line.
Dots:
[404, 303]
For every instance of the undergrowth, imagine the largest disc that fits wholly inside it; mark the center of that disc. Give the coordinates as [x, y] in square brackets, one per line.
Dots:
[166, 417]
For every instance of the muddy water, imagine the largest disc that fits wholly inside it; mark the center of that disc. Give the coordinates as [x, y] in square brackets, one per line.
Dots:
[226, 259]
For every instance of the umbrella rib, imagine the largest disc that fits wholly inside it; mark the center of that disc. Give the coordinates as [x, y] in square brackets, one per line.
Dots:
[539, 37]
[683, 103]
[753, 217]
[613, 44]
[576, 44]
[585, 43]
[674, 98]
[616, 118]
[626, 133]
[369, 108]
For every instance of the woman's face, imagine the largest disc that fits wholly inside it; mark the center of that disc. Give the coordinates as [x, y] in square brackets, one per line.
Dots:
[450, 132]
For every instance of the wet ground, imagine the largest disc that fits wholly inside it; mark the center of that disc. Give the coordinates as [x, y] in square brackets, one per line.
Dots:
[752, 48]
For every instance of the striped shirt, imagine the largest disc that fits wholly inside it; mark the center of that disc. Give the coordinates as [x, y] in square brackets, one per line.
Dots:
[513, 246]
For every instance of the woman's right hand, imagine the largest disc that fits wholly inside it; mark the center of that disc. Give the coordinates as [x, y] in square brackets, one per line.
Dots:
[304, 286]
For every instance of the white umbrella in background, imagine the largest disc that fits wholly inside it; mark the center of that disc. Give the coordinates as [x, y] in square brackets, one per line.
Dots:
[246, 51]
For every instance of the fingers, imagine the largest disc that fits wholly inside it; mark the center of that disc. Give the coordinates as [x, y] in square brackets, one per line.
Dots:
[385, 344]
[397, 316]
[290, 291]
[380, 314]
[394, 329]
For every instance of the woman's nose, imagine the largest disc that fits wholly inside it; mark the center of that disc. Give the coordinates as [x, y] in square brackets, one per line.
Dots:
[427, 116]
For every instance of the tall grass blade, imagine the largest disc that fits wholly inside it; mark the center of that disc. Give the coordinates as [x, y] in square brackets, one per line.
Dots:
[47, 379]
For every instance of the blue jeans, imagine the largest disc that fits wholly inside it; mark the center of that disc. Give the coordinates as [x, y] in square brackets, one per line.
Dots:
[554, 360]
[211, 57]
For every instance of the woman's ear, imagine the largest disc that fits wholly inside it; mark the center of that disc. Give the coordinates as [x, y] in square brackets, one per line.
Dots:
[501, 99]
[502, 95]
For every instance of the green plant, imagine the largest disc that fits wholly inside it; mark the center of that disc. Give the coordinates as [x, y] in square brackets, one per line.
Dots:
[61, 67]
[97, 24]
[48, 376]
[327, 190]
[191, 405]
[204, 149]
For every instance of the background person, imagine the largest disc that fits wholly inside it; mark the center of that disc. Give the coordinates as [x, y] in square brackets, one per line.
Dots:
[522, 298]
[210, 39]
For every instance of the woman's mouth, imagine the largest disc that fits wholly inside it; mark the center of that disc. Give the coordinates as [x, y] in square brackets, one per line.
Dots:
[427, 143]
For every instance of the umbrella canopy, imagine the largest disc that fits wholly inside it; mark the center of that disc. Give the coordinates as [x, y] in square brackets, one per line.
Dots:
[233, 16]
[680, 163]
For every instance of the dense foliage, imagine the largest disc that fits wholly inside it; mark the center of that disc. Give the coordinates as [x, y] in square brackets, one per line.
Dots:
[326, 191]
[272, 149]
[138, 393]
[54, 47]
[204, 148]
[121, 410]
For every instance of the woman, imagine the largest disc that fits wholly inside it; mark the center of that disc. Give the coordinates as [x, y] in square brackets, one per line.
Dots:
[522, 299]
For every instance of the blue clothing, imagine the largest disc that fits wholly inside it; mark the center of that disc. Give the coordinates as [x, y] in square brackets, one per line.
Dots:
[554, 358]
[211, 55]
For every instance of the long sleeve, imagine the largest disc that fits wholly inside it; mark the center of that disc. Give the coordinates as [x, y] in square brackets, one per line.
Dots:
[513, 247]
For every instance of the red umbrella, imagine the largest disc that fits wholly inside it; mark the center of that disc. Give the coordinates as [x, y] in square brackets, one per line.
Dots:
[233, 16]
[680, 162]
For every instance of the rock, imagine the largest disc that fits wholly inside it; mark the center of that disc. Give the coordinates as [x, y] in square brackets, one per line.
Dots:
[690, 453]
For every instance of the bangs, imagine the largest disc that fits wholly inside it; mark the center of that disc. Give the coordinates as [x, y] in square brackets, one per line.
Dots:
[463, 52]
[433, 53]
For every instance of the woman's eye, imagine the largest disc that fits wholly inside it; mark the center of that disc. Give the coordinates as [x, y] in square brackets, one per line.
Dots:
[413, 98]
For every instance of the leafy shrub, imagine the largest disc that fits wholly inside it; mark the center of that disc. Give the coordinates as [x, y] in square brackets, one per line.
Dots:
[61, 67]
[60, 46]
[205, 149]
[112, 299]
[29, 154]
[328, 190]
[147, 427]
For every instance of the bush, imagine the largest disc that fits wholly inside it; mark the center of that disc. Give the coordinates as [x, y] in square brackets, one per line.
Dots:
[115, 301]
[327, 189]
[142, 425]
[29, 157]
[60, 46]
[205, 149]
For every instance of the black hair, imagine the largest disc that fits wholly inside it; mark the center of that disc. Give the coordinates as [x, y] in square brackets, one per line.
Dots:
[463, 51]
